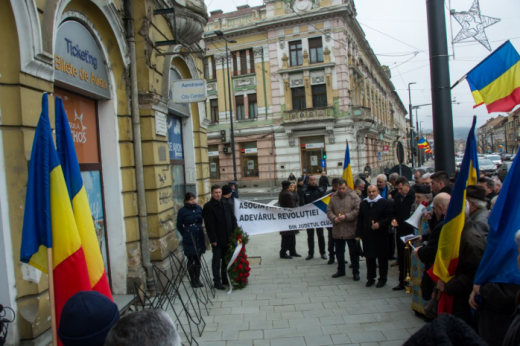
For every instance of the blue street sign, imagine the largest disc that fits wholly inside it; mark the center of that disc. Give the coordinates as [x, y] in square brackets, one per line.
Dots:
[323, 163]
[379, 155]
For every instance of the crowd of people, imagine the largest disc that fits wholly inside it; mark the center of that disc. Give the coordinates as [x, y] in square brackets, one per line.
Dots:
[372, 220]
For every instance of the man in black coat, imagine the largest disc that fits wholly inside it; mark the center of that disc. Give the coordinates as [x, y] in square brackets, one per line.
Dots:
[375, 215]
[403, 203]
[441, 183]
[324, 181]
[220, 222]
[285, 200]
[312, 193]
[300, 188]
[330, 243]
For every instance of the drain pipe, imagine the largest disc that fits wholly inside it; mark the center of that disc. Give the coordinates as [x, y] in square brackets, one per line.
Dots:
[138, 152]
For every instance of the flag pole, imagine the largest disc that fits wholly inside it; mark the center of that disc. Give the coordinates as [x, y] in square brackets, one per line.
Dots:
[50, 272]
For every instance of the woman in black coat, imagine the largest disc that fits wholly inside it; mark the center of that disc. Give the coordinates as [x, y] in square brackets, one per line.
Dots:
[189, 224]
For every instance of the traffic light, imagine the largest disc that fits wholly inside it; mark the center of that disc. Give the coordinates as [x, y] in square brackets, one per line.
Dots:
[324, 155]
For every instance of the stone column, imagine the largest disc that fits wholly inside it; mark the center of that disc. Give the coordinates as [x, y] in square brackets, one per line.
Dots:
[246, 107]
[248, 61]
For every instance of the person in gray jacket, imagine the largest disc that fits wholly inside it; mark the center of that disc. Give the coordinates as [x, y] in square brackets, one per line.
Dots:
[476, 196]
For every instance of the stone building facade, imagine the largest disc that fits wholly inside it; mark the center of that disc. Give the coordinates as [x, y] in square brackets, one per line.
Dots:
[81, 50]
[304, 81]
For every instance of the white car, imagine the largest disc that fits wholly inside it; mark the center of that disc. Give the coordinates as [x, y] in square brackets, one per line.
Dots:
[495, 158]
[458, 161]
[487, 167]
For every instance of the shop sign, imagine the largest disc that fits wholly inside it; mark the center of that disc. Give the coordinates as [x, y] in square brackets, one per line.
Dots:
[161, 128]
[313, 146]
[78, 61]
[385, 148]
[175, 138]
[213, 153]
[314, 160]
[180, 109]
[249, 151]
[189, 90]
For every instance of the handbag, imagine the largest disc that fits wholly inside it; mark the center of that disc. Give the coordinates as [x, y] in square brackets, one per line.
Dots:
[430, 308]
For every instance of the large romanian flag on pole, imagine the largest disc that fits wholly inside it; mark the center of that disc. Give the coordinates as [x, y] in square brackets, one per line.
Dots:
[496, 80]
[49, 221]
[347, 169]
[79, 200]
[447, 257]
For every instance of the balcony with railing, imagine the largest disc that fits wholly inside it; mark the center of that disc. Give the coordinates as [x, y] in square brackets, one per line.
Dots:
[308, 114]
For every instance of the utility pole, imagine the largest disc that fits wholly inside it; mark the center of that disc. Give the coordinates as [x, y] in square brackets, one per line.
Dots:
[440, 87]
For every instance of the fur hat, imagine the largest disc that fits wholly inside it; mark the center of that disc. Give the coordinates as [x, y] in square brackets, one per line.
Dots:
[226, 189]
[423, 189]
[86, 319]
[477, 192]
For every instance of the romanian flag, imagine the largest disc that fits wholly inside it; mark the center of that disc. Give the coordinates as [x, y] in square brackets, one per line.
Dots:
[49, 221]
[500, 145]
[447, 257]
[422, 143]
[347, 169]
[496, 80]
[79, 200]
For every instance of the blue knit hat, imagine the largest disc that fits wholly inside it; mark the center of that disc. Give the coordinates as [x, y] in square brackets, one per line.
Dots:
[86, 319]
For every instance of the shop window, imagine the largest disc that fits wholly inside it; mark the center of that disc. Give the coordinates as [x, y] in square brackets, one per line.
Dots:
[253, 106]
[206, 63]
[311, 150]
[239, 101]
[296, 53]
[298, 98]
[316, 50]
[319, 96]
[176, 162]
[214, 162]
[249, 159]
[213, 104]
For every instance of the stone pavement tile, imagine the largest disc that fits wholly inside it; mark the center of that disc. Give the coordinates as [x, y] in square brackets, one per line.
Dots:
[210, 343]
[240, 343]
[319, 313]
[289, 295]
[351, 303]
[416, 321]
[340, 339]
[401, 315]
[337, 298]
[396, 334]
[245, 310]
[276, 316]
[261, 342]
[387, 308]
[305, 322]
[267, 308]
[402, 324]
[260, 325]
[319, 299]
[356, 319]
[284, 308]
[280, 324]
[232, 325]
[220, 311]
[309, 331]
[296, 301]
[310, 306]
[250, 334]
[372, 336]
[296, 341]
[330, 305]
[210, 327]
[309, 294]
[230, 304]
[327, 330]
[280, 333]
[261, 302]
[392, 343]
[324, 340]
[381, 317]
[360, 310]
[262, 316]
[229, 335]
[331, 320]
[292, 315]
[210, 336]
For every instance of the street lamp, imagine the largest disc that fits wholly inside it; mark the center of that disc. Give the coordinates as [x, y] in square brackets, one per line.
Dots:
[411, 121]
[221, 35]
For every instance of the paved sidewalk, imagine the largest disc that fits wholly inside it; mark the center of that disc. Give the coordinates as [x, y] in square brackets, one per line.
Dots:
[296, 302]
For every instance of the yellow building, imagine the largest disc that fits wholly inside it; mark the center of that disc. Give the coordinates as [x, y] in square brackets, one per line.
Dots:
[304, 80]
[113, 63]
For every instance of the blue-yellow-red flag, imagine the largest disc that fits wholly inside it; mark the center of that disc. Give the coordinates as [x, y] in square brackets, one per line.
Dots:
[447, 257]
[499, 263]
[422, 143]
[49, 221]
[347, 169]
[496, 80]
[79, 200]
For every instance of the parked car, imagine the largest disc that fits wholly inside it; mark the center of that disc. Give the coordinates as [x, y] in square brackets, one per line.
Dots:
[504, 168]
[506, 157]
[495, 158]
[458, 161]
[487, 167]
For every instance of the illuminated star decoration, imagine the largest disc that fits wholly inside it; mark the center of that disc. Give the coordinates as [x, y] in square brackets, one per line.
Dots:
[473, 25]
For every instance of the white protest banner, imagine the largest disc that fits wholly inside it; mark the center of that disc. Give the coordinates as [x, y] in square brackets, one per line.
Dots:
[257, 218]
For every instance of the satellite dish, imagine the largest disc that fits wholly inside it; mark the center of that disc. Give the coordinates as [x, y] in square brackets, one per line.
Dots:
[400, 152]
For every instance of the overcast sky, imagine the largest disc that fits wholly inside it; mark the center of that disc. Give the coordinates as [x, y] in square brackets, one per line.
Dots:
[397, 28]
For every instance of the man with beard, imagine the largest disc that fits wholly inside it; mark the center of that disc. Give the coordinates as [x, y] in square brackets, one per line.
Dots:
[312, 193]
[342, 211]
[375, 215]
[441, 183]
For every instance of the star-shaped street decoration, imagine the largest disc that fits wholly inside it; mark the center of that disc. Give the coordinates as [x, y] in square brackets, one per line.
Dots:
[473, 25]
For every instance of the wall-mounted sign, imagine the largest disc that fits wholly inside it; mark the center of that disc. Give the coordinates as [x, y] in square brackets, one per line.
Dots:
[79, 63]
[314, 160]
[189, 90]
[175, 138]
[385, 148]
[313, 146]
[213, 153]
[180, 109]
[213, 167]
[161, 128]
[249, 151]
[251, 165]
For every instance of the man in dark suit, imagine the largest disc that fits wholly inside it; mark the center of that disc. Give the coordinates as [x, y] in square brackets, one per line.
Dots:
[285, 200]
[403, 203]
[312, 193]
[375, 215]
[220, 222]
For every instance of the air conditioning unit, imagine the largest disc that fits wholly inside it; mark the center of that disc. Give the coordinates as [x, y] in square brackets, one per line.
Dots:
[225, 136]
[227, 150]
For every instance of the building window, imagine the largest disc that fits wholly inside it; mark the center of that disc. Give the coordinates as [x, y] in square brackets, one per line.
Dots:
[206, 68]
[319, 96]
[214, 162]
[316, 50]
[213, 104]
[298, 98]
[296, 53]
[311, 150]
[249, 159]
[253, 106]
[243, 61]
[252, 60]
[239, 101]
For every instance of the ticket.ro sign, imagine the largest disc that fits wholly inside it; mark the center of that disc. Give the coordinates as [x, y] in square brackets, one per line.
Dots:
[189, 90]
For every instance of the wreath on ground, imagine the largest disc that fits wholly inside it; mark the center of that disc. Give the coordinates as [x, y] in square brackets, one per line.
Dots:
[239, 270]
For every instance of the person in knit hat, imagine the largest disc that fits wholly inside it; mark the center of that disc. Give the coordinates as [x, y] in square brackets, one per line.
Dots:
[227, 197]
[86, 319]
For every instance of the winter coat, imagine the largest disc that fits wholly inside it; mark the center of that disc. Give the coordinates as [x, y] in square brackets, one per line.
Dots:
[495, 311]
[347, 205]
[480, 221]
[300, 189]
[296, 199]
[471, 250]
[219, 221]
[427, 254]
[231, 202]
[389, 189]
[189, 225]
[285, 200]
[513, 334]
[402, 212]
[312, 193]
[324, 182]
[375, 241]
